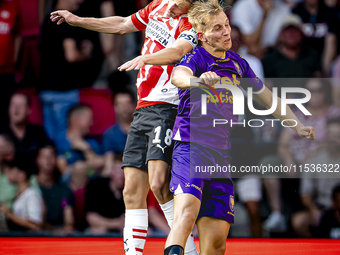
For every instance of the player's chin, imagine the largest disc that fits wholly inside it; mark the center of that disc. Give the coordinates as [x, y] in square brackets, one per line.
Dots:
[227, 45]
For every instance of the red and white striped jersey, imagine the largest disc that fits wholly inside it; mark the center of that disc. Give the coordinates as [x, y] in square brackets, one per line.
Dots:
[153, 82]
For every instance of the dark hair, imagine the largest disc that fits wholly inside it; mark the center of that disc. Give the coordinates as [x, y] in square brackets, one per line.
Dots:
[49, 145]
[56, 172]
[75, 108]
[129, 92]
[22, 162]
[336, 191]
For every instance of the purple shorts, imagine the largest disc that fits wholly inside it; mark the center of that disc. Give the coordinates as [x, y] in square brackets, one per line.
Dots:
[216, 194]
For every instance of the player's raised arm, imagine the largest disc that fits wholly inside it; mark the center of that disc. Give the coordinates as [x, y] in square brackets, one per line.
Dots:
[183, 78]
[109, 25]
[166, 56]
[266, 97]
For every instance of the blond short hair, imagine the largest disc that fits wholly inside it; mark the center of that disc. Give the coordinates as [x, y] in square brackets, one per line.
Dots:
[201, 12]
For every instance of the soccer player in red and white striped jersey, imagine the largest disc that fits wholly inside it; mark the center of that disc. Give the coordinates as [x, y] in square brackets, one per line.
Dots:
[147, 156]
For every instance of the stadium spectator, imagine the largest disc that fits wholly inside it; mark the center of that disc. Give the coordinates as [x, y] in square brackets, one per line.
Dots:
[294, 150]
[104, 204]
[290, 59]
[114, 138]
[73, 145]
[240, 48]
[57, 197]
[330, 222]
[78, 184]
[8, 191]
[27, 137]
[27, 211]
[103, 44]
[29, 58]
[10, 29]
[317, 186]
[260, 22]
[61, 78]
[320, 27]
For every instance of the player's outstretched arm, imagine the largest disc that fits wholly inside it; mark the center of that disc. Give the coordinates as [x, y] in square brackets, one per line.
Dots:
[183, 78]
[266, 98]
[109, 25]
[166, 56]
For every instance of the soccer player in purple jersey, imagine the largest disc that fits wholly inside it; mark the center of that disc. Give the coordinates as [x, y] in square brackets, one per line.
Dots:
[209, 201]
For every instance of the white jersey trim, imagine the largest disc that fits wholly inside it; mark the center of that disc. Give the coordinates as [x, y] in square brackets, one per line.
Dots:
[260, 91]
[140, 19]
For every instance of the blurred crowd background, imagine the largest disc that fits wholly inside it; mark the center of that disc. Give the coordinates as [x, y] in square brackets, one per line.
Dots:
[65, 112]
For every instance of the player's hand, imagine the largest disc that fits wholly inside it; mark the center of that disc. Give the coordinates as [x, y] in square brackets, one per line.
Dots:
[136, 64]
[210, 78]
[307, 132]
[64, 16]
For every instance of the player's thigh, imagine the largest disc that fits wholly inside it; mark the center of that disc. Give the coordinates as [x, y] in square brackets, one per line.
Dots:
[159, 175]
[213, 233]
[136, 188]
[136, 144]
[187, 207]
[159, 134]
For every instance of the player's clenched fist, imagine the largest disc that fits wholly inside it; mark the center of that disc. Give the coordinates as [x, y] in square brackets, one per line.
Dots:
[210, 78]
[64, 16]
[308, 132]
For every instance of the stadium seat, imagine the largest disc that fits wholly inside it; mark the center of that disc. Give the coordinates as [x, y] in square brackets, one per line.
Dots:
[100, 101]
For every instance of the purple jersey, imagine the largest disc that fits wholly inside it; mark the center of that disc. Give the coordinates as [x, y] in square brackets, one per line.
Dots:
[231, 68]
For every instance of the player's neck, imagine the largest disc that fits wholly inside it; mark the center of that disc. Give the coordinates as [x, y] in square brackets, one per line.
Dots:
[218, 54]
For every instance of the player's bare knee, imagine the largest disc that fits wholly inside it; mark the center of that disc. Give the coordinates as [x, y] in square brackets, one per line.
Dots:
[132, 198]
[185, 220]
[220, 250]
[160, 189]
[216, 246]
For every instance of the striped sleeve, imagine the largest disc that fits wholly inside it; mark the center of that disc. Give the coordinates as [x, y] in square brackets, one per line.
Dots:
[141, 18]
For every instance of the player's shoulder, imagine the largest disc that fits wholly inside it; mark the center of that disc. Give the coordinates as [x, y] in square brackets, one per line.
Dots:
[196, 54]
[239, 62]
[236, 57]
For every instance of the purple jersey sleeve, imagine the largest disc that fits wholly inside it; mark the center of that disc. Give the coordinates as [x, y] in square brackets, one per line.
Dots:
[250, 79]
[193, 61]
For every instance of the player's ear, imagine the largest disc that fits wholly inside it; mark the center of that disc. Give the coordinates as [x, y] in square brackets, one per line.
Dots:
[201, 36]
